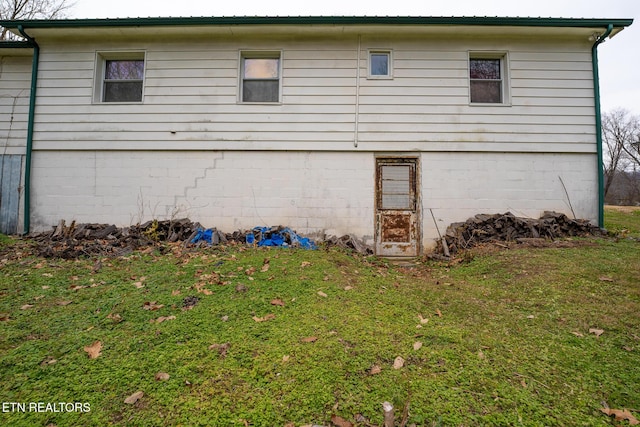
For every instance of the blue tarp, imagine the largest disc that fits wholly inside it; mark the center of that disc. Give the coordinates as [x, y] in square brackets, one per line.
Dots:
[284, 237]
[261, 236]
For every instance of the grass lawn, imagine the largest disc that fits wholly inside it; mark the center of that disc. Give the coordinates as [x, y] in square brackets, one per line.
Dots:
[524, 336]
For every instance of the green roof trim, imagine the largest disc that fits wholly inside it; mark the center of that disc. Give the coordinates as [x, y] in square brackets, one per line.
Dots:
[15, 45]
[320, 20]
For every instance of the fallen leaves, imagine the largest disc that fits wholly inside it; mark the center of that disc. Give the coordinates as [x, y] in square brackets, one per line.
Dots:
[162, 319]
[375, 370]
[621, 415]
[322, 294]
[304, 264]
[151, 306]
[134, 398]
[26, 307]
[94, 350]
[340, 422]
[417, 345]
[115, 317]
[398, 362]
[423, 321]
[221, 348]
[266, 318]
[63, 303]
[309, 339]
[596, 332]
[4, 317]
[162, 376]
[277, 302]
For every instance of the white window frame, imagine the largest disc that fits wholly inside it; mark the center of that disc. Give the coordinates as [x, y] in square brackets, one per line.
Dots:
[505, 83]
[100, 68]
[259, 54]
[389, 74]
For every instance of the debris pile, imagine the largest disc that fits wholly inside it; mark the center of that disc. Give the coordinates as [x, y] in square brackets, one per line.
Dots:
[484, 228]
[74, 240]
[350, 241]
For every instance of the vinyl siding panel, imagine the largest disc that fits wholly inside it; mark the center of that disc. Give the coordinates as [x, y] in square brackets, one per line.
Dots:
[15, 84]
[190, 98]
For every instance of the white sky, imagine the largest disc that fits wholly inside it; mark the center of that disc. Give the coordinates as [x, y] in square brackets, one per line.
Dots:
[619, 58]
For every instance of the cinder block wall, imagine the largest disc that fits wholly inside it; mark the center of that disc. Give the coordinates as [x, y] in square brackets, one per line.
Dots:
[312, 192]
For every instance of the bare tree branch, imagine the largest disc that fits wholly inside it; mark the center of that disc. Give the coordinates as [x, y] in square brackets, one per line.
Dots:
[31, 9]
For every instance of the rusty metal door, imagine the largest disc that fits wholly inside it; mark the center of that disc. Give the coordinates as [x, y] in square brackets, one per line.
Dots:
[396, 207]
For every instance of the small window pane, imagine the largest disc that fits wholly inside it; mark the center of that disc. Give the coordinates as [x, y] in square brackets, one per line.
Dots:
[396, 201]
[123, 91]
[260, 91]
[379, 64]
[485, 69]
[124, 70]
[261, 68]
[486, 91]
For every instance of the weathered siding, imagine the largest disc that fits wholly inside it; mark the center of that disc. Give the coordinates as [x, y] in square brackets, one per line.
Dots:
[191, 97]
[15, 81]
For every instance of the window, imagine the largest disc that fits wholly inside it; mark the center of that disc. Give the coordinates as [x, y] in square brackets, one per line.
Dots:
[120, 77]
[380, 64]
[260, 77]
[487, 80]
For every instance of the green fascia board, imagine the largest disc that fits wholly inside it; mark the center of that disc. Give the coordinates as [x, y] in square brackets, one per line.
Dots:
[319, 20]
[15, 45]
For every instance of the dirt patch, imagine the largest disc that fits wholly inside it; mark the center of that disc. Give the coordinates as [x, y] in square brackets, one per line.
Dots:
[623, 209]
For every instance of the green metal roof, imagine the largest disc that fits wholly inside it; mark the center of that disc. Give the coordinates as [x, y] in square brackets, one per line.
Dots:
[319, 20]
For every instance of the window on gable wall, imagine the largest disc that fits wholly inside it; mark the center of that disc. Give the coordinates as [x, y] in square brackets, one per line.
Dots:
[260, 77]
[487, 80]
[120, 77]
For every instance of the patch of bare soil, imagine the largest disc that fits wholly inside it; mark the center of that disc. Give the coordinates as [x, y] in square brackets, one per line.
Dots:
[623, 209]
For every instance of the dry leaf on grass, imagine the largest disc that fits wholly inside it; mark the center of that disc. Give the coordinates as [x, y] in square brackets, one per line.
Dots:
[398, 363]
[115, 317]
[162, 319]
[175, 292]
[578, 334]
[605, 279]
[93, 350]
[4, 317]
[348, 288]
[310, 339]
[375, 369]
[250, 271]
[620, 415]
[265, 268]
[422, 319]
[162, 376]
[76, 287]
[278, 302]
[221, 348]
[340, 422]
[417, 345]
[304, 264]
[438, 313]
[285, 358]
[63, 303]
[596, 332]
[266, 318]
[26, 307]
[138, 285]
[134, 398]
[48, 361]
[152, 306]
[322, 294]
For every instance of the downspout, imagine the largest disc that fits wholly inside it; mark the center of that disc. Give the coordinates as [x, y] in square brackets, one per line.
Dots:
[30, 123]
[356, 129]
[596, 95]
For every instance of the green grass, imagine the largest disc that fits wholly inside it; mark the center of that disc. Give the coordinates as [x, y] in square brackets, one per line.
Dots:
[507, 339]
[617, 221]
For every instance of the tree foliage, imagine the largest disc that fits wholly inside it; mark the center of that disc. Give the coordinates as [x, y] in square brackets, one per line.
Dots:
[31, 9]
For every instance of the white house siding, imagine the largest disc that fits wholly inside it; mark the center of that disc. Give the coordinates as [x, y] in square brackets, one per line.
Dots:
[15, 83]
[191, 149]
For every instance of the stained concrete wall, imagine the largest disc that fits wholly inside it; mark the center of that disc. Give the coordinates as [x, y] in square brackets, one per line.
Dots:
[312, 192]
